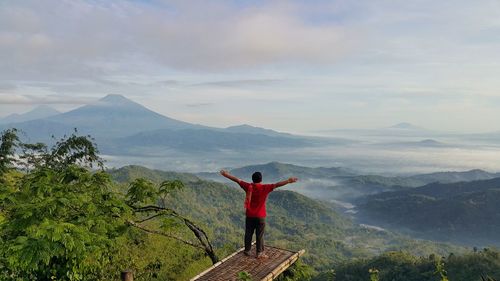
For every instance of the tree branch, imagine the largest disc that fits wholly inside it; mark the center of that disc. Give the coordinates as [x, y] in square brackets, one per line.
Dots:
[200, 234]
[150, 218]
[152, 231]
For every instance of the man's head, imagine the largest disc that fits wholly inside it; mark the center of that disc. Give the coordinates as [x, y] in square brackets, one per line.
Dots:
[257, 177]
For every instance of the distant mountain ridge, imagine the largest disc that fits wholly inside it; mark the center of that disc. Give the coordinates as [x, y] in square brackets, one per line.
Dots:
[406, 126]
[123, 127]
[466, 212]
[245, 128]
[204, 140]
[278, 171]
[41, 111]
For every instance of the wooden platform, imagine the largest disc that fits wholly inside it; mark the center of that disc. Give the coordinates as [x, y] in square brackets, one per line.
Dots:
[259, 269]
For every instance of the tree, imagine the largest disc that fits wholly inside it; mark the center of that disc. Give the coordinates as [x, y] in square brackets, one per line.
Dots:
[440, 270]
[10, 141]
[141, 192]
[61, 220]
[373, 274]
[298, 271]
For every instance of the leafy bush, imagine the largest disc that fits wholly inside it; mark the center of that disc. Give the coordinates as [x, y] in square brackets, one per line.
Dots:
[61, 220]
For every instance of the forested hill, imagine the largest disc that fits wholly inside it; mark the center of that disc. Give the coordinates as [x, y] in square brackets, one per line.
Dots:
[467, 212]
[293, 218]
[294, 221]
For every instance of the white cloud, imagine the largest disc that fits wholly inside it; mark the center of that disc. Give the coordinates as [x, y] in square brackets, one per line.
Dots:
[54, 39]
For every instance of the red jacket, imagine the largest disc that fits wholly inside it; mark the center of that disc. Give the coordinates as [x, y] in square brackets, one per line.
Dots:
[255, 201]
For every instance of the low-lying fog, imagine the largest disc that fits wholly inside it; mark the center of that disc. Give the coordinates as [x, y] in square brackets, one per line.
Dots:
[370, 156]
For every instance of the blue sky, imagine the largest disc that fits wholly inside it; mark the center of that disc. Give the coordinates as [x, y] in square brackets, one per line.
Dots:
[296, 66]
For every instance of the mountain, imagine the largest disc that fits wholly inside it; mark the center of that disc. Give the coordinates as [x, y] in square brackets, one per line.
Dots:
[110, 117]
[465, 212]
[351, 188]
[117, 116]
[425, 143]
[451, 177]
[41, 130]
[201, 140]
[41, 111]
[247, 129]
[405, 126]
[276, 171]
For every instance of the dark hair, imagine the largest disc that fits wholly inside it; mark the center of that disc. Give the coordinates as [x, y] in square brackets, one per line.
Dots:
[257, 177]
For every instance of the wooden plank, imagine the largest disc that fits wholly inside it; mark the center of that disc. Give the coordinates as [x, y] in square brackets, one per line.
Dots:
[283, 266]
[219, 263]
[260, 269]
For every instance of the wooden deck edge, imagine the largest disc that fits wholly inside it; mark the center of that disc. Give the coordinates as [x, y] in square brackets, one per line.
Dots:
[218, 263]
[283, 266]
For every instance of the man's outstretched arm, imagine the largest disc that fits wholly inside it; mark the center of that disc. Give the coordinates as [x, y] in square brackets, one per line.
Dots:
[226, 174]
[285, 182]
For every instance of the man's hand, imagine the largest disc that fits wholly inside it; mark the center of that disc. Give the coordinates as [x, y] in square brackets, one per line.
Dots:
[226, 174]
[285, 182]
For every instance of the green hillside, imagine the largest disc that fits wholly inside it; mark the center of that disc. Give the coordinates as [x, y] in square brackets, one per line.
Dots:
[294, 221]
[466, 212]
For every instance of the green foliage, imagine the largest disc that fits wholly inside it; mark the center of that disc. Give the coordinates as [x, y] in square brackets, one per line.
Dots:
[330, 275]
[73, 150]
[61, 221]
[373, 274]
[403, 266]
[244, 276]
[141, 190]
[297, 272]
[7, 149]
[441, 271]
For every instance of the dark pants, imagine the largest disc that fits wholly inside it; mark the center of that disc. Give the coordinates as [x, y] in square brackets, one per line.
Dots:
[258, 225]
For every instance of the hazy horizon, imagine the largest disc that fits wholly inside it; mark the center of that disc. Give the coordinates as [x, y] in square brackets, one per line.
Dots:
[315, 132]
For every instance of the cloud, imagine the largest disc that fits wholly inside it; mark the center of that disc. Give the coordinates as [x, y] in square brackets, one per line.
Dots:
[9, 99]
[199, 104]
[85, 39]
[240, 83]
[7, 86]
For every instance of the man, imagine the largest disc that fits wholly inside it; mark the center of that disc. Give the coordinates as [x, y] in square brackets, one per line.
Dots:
[255, 205]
